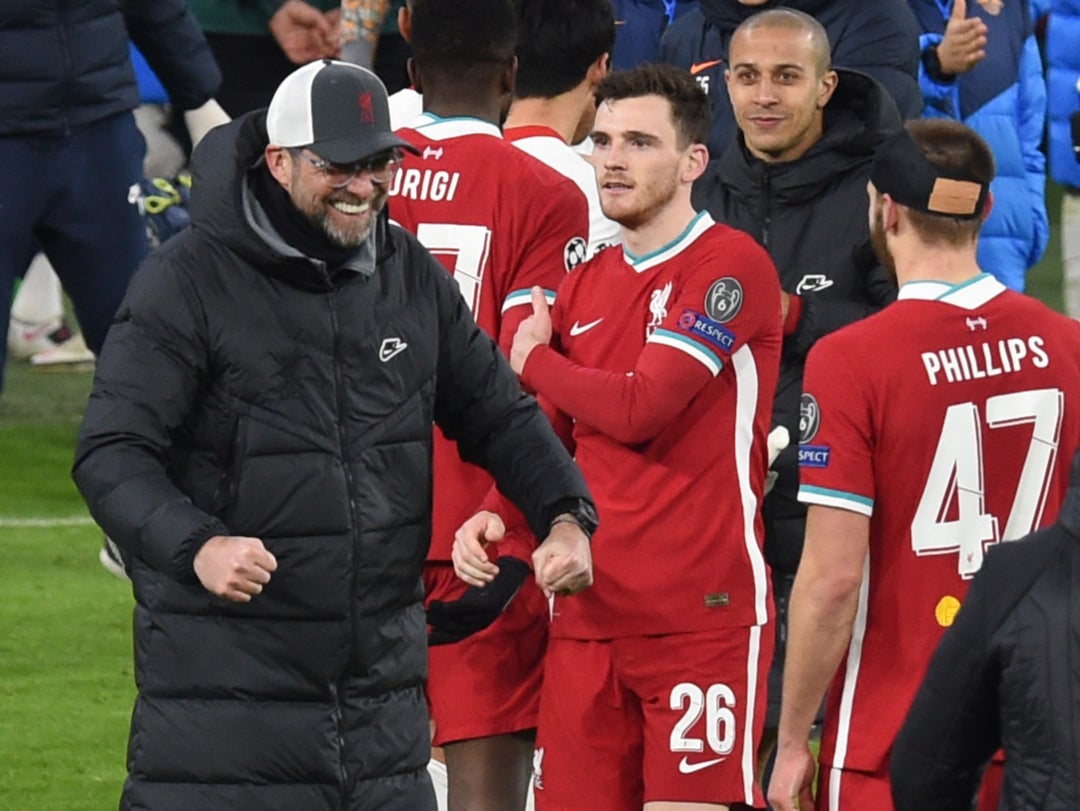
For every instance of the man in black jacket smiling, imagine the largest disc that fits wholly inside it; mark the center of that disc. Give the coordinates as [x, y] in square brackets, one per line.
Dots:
[879, 38]
[795, 179]
[258, 443]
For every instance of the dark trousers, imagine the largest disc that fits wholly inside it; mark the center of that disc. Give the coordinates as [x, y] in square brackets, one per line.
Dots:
[69, 194]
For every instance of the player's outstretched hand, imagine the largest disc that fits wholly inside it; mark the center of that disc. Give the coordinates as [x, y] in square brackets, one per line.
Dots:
[235, 567]
[479, 607]
[469, 553]
[534, 331]
[563, 562]
[791, 786]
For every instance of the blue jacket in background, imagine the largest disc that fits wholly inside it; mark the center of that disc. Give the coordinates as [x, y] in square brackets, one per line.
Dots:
[876, 37]
[1003, 98]
[638, 27]
[1063, 99]
[151, 90]
[66, 63]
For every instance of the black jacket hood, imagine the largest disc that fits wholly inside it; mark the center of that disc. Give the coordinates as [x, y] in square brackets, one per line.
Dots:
[223, 205]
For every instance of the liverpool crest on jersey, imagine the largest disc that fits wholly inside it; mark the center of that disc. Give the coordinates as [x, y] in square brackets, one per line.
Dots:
[658, 302]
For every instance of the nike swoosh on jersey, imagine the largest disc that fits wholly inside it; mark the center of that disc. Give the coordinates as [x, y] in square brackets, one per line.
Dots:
[579, 328]
[697, 67]
[686, 767]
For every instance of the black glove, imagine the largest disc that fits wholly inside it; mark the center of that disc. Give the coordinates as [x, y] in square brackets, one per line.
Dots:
[478, 607]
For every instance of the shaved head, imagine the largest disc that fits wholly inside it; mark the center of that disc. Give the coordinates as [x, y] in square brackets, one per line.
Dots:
[790, 19]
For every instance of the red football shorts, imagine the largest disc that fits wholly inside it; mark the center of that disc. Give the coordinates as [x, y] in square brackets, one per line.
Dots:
[643, 719]
[488, 683]
[847, 790]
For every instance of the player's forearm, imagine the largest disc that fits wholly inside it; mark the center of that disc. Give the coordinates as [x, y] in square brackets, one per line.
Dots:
[821, 616]
[629, 408]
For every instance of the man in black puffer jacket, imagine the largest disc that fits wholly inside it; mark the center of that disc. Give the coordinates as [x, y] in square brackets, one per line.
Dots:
[258, 442]
[879, 38]
[795, 179]
[1004, 675]
[68, 141]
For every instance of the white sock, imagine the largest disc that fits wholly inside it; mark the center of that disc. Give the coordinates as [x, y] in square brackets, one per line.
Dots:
[40, 297]
[437, 771]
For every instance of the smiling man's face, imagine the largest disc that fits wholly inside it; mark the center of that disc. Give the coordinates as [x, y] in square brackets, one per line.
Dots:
[778, 88]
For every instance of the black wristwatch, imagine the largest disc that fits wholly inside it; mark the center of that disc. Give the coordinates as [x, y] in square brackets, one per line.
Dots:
[932, 63]
[577, 511]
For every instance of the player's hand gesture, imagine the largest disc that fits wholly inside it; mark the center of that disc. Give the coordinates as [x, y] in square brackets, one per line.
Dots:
[534, 331]
[563, 562]
[234, 567]
[469, 554]
[964, 44]
[790, 788]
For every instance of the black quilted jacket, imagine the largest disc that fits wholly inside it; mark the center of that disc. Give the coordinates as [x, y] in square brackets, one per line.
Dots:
[245, 390]
[65, 64]
[810, 215]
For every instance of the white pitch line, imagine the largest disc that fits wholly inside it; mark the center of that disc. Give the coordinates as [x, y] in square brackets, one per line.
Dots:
[47, 523]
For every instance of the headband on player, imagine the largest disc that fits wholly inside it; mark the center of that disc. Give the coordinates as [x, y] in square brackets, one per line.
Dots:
[902, 171]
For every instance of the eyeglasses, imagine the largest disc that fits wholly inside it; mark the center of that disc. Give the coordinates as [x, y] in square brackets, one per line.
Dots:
[380, 168]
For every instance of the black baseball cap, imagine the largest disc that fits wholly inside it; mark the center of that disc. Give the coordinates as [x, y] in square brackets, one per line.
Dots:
[901, 170]
[338, 110]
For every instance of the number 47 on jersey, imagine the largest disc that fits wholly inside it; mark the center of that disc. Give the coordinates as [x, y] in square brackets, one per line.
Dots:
[955, 484]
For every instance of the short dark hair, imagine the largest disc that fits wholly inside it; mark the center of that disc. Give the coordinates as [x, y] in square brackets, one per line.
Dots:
[791, 19]
[557, 42]
[964, 155]
[689, 104]
[457, 33]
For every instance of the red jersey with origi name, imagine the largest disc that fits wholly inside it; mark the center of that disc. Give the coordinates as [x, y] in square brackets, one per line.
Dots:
[500, 221]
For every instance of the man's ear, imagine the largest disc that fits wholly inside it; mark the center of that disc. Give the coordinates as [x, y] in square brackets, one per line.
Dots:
[697, 163]
[414, 75]
[279, 162]
[828, 87]
[508, 77]
[890, 214]
[598, 70]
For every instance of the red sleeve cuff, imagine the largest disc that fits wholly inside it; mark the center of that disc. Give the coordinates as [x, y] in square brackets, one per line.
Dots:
[791, 323]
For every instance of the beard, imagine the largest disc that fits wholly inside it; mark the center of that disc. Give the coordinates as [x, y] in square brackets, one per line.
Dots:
[346, 237]
[652, 195]
[320, 213]
[880, 245]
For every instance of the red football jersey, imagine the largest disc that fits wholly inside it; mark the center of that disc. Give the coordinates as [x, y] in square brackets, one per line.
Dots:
[501, 222]
[668, 364]
[950, 419]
